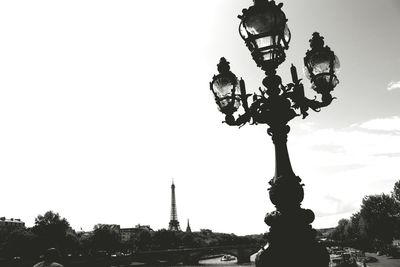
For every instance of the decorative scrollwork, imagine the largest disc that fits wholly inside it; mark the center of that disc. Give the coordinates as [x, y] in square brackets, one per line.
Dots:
[276, 103]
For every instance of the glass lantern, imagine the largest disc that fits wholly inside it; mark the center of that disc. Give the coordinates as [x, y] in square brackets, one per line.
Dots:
[321, 66]
[263, 28]
[226, 89]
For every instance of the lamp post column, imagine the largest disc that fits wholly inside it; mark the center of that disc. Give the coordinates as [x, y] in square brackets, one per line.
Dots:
[291, 238]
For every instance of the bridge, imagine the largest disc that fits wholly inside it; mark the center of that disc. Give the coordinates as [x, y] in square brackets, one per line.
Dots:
[189, 256]
[193, 255]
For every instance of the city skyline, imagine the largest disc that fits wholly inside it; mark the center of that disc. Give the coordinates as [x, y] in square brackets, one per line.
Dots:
[103, 103]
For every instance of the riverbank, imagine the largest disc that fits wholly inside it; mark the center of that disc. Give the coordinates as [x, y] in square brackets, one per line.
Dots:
[383, 261]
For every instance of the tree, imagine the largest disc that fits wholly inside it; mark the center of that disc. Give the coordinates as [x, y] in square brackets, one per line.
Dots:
[165, 239]
[72, 242]
[105, 238]
[21, 243]
[143, 241]
[396, 196]
[340, 233]
[51, 230]
[85, 242]
[188, 240]
[396, 191]
[378, 216]
[375, 225]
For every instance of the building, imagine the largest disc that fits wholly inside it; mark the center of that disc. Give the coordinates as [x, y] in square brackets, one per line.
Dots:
[115, 227]
[173, 223]
[10, 225]
[128, 233]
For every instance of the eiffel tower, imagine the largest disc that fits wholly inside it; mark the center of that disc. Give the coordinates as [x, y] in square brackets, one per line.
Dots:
[173, 223]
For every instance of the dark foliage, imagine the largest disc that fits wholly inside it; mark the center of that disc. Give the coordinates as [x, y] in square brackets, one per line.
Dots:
[51, 230]
[376, 224]
[396, 191]
[21, 243]
[105, 238]
[377, 213]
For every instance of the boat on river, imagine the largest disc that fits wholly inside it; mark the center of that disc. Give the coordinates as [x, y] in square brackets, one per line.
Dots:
[228, 258]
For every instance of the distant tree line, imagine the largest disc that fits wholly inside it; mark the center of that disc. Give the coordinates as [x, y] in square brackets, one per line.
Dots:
[51, 230]
[164, 239]
[374, 226]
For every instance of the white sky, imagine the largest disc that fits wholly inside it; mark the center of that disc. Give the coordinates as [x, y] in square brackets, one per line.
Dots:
[102, 103]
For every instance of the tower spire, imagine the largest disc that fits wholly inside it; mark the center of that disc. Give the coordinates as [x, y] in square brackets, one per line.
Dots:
[173, 223]
[188, 229]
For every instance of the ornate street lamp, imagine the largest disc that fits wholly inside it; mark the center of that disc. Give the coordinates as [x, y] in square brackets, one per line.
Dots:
[291, 239]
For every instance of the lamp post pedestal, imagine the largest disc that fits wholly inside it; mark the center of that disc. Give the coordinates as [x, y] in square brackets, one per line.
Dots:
[292, 244]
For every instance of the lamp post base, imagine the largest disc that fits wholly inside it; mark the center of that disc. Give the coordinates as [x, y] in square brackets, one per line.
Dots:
[292, 241]
[295, 254]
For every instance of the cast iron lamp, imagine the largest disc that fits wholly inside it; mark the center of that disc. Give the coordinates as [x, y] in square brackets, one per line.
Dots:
[291, 239]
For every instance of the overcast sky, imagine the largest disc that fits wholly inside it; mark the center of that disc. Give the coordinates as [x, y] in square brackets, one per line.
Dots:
[103, 103]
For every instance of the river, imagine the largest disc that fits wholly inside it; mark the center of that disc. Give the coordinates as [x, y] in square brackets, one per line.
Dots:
[217, 262]
[214, 262]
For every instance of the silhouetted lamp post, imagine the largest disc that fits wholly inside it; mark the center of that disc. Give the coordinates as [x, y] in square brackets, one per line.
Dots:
[263, 27]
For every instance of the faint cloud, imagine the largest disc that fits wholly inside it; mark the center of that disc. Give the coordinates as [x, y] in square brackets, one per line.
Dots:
[333, 199]
[341, 168]
[393, 85]
[390, 155]
[343, 165]
[337, 206]
[328, 148]
[307, 126]
[381, 124]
